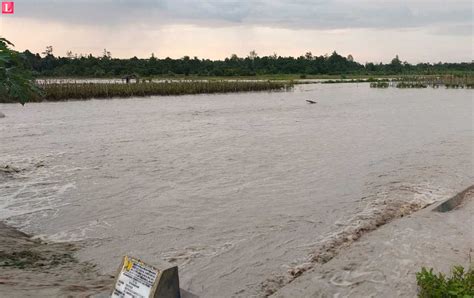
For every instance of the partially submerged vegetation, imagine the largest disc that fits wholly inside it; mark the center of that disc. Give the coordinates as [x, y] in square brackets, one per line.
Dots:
[66, 91]
[404, 85]
[379, 85]
[459, 284]
[448, 81]
[356, 80]
[18, 69]
[17, 84]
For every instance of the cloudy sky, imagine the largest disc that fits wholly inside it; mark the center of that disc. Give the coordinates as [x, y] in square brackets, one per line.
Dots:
[370, 30]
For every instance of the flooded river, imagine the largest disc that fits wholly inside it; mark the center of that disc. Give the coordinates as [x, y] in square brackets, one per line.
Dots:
[233, 188]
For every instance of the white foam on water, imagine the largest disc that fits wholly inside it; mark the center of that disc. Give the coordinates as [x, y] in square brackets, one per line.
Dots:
[187, 254]
[31, 187]
[388, 203]
[75, 234]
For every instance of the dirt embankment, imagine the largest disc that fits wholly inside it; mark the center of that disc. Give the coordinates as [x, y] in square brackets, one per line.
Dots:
[32, 268]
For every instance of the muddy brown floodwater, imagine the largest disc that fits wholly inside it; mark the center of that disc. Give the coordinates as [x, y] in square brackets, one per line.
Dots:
[238, 190]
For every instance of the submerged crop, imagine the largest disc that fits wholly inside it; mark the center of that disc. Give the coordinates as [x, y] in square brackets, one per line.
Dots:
[68, 91]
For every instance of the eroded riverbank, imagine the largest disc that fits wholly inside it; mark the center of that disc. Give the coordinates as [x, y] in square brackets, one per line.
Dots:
[33, 268]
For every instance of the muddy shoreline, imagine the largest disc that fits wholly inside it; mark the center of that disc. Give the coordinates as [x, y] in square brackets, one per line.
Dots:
[31, 267]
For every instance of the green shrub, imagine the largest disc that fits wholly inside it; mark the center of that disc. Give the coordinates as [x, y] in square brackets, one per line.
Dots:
[460, 284]
[16, 83]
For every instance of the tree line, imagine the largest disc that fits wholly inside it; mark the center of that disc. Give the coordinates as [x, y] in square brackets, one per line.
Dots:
[49, 65]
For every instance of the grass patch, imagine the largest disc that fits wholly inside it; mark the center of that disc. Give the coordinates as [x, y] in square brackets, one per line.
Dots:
[459, 284]
[33, 259]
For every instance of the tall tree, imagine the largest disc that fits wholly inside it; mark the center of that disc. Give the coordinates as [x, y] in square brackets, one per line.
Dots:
[253, 55]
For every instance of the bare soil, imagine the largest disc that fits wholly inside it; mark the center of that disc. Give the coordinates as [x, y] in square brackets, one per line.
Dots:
[33, 268]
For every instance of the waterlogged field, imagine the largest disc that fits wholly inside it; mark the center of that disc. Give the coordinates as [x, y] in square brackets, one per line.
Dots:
[236, 189]
[81, 90]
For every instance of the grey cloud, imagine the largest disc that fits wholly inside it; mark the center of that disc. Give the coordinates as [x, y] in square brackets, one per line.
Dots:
[304, 14]
[453, 30]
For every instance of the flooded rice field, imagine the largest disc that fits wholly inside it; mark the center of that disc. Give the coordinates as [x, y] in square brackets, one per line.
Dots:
[236, 189]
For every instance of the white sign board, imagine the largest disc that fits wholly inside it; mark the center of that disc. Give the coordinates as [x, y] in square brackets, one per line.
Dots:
[135, 280]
